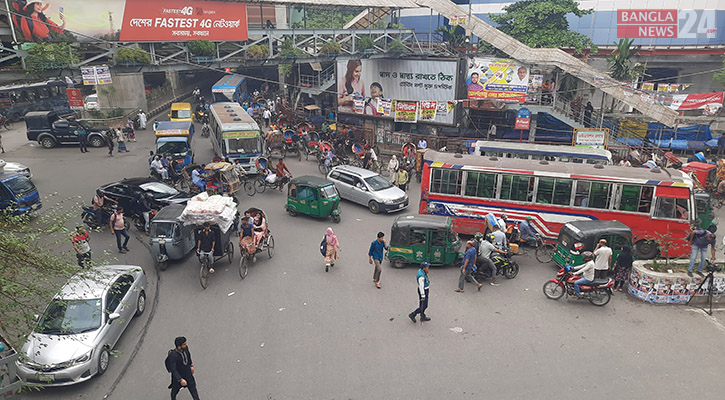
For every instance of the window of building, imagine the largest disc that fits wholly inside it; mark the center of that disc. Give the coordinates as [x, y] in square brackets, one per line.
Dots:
[480, 184]
[446, 181]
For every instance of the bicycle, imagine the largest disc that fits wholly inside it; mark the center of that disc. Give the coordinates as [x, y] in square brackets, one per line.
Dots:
[544, 251]
[204, 258]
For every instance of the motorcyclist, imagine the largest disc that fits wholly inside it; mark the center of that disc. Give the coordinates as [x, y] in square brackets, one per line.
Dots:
[499, 238]
[528, 233]
[586, 271]
[144, 205]
[196, 92]
[485, 250]
[99, 204]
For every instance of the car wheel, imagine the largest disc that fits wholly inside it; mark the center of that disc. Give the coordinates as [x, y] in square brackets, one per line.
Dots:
[97, 141]
[47, 142]
[140, 304]
[374, 207]
[646, 249]
[103, 360]
[14, 117]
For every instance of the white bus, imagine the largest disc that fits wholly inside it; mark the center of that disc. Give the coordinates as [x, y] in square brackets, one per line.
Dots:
[531, 151]
[235, 135]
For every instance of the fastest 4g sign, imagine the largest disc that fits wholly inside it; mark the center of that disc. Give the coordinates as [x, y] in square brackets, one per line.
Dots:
[666, 23]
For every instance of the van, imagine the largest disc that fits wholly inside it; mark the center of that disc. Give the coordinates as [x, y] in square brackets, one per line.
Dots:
[17, 192]
[367, 188]
[181, 112]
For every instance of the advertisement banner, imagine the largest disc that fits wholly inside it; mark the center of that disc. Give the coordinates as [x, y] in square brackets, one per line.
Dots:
[497, 79]
[666, 23]
[395, 79]
[75, 99]
[406, 111]
[427, 110]
[385, 107]
[97, 75]
[650, 86]
[523, 119]
[359, 105]
[130, 20]
[697, 101]
[591, 138]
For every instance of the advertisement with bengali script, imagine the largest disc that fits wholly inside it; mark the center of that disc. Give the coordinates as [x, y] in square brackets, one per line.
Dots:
[497, 79]
[129, 20]
[596, 138]
[384, 82]
[406, 111]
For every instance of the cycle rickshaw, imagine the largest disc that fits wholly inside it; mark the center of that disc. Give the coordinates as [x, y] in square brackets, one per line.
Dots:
[262, 240]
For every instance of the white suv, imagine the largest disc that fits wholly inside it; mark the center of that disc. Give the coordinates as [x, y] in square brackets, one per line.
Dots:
[367, 188]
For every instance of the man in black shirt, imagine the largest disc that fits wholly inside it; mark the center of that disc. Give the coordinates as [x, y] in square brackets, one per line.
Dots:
[206, 243]
[179, 364]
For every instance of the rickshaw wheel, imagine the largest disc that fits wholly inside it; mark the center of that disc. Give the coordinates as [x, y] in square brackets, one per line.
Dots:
[398, 264]
[321, 167]
[336, 218]
[243, 266]
[249, 188]
[270, 246]
[183, 186]
[545, 253]
[260, 185]
[204, 273]
[230, 251]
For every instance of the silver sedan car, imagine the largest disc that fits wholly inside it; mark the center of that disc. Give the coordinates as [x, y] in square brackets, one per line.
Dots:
[80, 326]
[13, 167]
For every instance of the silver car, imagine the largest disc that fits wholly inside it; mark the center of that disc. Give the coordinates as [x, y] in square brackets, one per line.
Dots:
[13, 167]
[367, 188]
[80, 326]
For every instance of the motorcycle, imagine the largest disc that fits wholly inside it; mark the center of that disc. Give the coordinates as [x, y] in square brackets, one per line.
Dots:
[89, 216]
[598, 293]
[505, 266]
[205, 130]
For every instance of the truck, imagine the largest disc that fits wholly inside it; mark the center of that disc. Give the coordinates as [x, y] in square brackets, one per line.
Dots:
[50, 128]
[174, 138]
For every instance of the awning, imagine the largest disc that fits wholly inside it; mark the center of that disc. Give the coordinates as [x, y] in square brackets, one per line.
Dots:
[672, 192]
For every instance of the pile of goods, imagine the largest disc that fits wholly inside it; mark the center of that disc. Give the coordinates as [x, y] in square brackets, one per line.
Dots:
[217, 210]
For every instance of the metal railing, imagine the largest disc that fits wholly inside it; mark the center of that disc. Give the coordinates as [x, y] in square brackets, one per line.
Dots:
[318, 79]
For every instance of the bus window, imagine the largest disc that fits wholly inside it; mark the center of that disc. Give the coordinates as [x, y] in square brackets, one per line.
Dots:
[43, 92]
[515, 187]
[581, 197]
[599, 195]
[554, 191]
[446, 181]
[479, 184]
[545, 191]
[562, 192]
[645, 199]
[665, 207]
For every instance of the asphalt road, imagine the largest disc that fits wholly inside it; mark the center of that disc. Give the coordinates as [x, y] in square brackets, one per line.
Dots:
[292, 331]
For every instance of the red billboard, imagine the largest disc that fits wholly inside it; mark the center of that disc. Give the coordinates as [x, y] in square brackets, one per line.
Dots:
[75, 99]
[173, 20]
[646, 23]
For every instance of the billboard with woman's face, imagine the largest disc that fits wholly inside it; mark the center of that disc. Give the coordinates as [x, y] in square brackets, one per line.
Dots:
[371, 87]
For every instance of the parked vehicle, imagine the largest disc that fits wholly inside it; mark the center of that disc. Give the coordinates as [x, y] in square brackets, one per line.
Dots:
[126, 190]
[50, 129]
[579, 236]
[170, 238]
[504, 264]
[17, 168]
[314, 196]
[368, 188]
[91, 103]
[79, 328]
[89, 216]
[10, 382]
[598, 293]
[18, 195]
[419, 238]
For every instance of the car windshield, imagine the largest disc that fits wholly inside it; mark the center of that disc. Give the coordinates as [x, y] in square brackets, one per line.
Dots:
[20, 185]
[67, 317]
[159, 190]
[328, 192]
[185, 113]
[162, 229]
[92, 99]
[244, 145]
[377, 182]
[173, 148]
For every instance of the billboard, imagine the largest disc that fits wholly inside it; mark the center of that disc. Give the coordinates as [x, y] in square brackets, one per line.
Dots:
[497, 79]
[666, 23]
[129, 20]
[75, 99]
[373, 87]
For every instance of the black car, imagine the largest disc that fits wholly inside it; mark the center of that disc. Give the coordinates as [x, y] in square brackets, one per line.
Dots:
[129, 189]
[49, 129]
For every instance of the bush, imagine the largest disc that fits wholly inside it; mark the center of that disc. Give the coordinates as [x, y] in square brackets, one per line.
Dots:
[44, 56]
[288, 49]
[202, 48]
[285, 69]
[365, 43]
[397, 46]
[128, 55]
[257, 51]
[331, 47]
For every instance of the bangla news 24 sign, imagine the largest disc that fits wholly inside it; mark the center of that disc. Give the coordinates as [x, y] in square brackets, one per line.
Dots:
[129, 20]
[497, 79]
[373, 87]
[666, 23]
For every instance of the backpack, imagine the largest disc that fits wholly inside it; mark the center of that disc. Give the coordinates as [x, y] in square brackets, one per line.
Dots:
[168, 361]
[323, 246]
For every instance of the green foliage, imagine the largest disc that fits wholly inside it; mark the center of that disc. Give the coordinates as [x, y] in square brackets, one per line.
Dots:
[202, 48]
[129, 55]
[567, 87]
[285, 69]
[257, 51]
[326, 17]
[542, 23]
[365, 43]
[620, 63]
[288, 49]
[396, 46]
[719, 76]
[453, 36]
[44, 56]
[665, 242]
[35, 261]
[331, 47]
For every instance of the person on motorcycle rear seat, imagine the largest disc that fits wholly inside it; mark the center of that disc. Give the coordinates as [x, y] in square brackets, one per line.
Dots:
[528, 233]
[499, 238]
[485, 250]
[586, 271]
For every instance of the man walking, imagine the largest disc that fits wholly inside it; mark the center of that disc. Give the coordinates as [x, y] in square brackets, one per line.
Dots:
[375, 254]
[469, 261]
[423, 293]
[118, 228]
[267, 115]
[700, 240]
[402, 178]
[80, 241]
[602, 259]
[179, 364]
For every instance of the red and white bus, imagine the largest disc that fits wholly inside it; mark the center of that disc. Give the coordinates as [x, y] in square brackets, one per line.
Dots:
[652, 202]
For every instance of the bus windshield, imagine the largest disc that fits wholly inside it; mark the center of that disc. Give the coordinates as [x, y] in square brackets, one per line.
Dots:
[173, 148]
[244, 145]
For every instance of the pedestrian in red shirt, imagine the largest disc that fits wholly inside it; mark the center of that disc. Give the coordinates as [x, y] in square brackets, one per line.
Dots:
[281, 168]
[82, 247]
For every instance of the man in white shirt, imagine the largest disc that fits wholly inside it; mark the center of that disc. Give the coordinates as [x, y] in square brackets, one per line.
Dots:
[602, 259]
[586, 271]
[267, 115]
[422, 144]
[499, 238]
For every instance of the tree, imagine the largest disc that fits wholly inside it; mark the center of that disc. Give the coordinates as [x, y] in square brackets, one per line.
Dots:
[132, 56]
[202, 48]
[453, 36]
[620, 63]
[543, 24]
[719, 76]
[44, 56]
[32, 266]
[324, 17]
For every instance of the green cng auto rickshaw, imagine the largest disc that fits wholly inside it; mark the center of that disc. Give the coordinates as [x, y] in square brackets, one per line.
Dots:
[418, 238]
[580, 236]
[312, 195]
